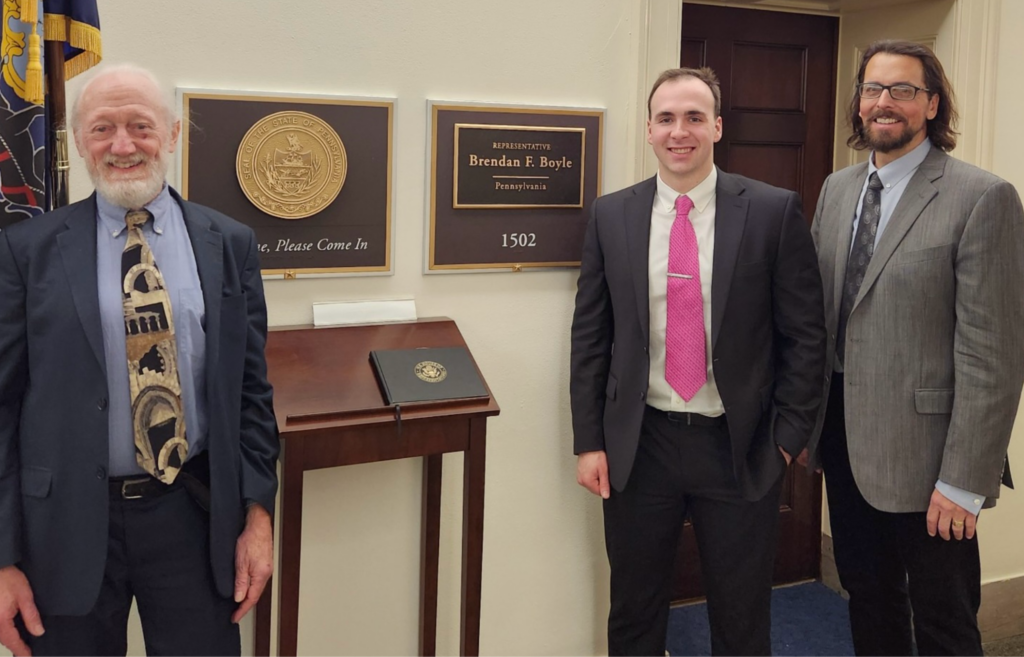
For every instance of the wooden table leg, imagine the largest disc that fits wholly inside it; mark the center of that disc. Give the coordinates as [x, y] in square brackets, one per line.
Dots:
[430, 541]
[473, 536]
[261, 622]
[262, 612]
[290, 552]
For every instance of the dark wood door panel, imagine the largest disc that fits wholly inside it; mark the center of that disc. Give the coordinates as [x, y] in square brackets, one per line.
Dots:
[693, 50]
[778, 81]
[772, 78]
[760, 128]
[776, 164]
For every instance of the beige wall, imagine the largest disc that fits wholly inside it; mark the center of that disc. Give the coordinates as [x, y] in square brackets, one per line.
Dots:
[1002, 529]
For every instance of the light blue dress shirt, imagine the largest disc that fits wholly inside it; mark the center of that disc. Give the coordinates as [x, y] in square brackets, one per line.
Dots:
[172, 251]
[895, 177]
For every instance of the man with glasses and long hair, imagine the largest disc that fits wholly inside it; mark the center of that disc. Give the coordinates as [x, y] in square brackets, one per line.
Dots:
[922, 260]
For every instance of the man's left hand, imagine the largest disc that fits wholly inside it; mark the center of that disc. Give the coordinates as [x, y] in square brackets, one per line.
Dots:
[946, 517]
[254, 560]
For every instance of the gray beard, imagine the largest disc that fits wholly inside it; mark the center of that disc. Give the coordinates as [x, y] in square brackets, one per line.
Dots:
[132, 194]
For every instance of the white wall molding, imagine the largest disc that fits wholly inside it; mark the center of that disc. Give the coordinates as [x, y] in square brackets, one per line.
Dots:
[660, 42]
[973, 72]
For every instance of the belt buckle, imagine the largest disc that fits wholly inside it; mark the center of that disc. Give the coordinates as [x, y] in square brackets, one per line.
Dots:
[130, 482]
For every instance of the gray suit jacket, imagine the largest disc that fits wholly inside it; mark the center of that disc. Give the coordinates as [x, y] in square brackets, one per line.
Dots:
[935, 340]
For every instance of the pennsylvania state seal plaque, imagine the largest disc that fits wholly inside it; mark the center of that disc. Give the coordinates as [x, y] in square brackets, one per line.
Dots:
[291, 164]
[430, 371]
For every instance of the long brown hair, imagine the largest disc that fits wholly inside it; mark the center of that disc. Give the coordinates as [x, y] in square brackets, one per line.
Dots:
[942, 129]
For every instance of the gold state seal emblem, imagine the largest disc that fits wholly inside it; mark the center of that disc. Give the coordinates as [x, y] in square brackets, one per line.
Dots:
[430, 371]
[291, 164]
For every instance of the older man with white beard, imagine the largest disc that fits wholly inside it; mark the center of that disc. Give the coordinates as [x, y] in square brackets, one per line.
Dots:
[138, 443]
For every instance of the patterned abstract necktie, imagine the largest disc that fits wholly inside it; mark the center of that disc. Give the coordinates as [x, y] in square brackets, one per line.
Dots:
[685, 351]
[158, 417]
[860, 255]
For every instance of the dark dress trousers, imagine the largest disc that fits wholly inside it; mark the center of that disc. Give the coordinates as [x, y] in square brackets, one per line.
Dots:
[768, 349]
[55, 504]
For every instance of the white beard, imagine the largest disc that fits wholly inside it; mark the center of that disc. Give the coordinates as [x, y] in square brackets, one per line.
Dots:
[130, 194]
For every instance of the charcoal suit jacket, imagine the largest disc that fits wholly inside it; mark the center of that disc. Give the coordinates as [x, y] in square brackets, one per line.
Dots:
[767, 328]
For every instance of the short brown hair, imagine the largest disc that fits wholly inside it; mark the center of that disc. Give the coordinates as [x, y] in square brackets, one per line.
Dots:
[704, 74]
[942, 129]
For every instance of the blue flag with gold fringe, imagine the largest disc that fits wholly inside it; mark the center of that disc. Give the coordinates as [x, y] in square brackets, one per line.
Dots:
[24, 161]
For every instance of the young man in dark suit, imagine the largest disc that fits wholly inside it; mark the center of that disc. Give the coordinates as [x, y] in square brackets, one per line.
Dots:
[697, 349]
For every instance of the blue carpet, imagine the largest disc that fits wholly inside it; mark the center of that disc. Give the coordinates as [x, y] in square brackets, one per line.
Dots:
[807, 619]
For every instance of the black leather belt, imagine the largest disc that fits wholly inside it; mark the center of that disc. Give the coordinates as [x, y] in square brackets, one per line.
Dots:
[138, 488]
[690, 419]
[193, 476]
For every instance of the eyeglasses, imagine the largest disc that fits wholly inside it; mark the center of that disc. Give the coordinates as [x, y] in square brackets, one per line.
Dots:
[871, 90]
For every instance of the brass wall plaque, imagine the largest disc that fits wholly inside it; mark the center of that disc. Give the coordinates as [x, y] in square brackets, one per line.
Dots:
[495, 204]
[310, 175]
[291, 164]
[506, 166]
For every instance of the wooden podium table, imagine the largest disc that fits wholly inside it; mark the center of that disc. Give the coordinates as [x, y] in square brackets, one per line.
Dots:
[330, 412]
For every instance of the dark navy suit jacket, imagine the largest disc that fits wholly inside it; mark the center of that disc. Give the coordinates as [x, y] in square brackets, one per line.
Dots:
[53, 407]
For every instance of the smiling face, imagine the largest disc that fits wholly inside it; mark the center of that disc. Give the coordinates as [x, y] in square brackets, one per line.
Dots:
[893, 128]
[124, 133]
[683, 130]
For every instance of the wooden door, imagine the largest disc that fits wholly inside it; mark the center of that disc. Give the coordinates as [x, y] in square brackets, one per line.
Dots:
[777, 72]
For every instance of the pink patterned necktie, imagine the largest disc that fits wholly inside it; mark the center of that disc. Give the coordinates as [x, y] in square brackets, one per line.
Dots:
[685, 351]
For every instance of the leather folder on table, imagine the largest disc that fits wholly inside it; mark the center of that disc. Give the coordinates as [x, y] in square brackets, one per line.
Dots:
[427, 374]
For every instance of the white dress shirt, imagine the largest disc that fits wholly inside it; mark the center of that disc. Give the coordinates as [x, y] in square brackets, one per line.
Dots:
[660, 394]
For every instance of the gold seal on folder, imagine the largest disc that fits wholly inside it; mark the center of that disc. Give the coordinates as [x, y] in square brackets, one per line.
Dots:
[430, 371]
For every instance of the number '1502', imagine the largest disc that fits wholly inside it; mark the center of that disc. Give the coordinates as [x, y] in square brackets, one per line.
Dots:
[515, 240]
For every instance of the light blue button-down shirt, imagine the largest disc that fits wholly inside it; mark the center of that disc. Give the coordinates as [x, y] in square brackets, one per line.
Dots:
[168, 239]
[895, 177]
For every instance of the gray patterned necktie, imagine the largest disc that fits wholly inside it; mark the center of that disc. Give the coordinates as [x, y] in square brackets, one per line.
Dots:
[158, 418]
[860, 256]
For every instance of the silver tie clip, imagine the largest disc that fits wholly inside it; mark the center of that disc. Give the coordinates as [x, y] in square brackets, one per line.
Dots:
[679, 275]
